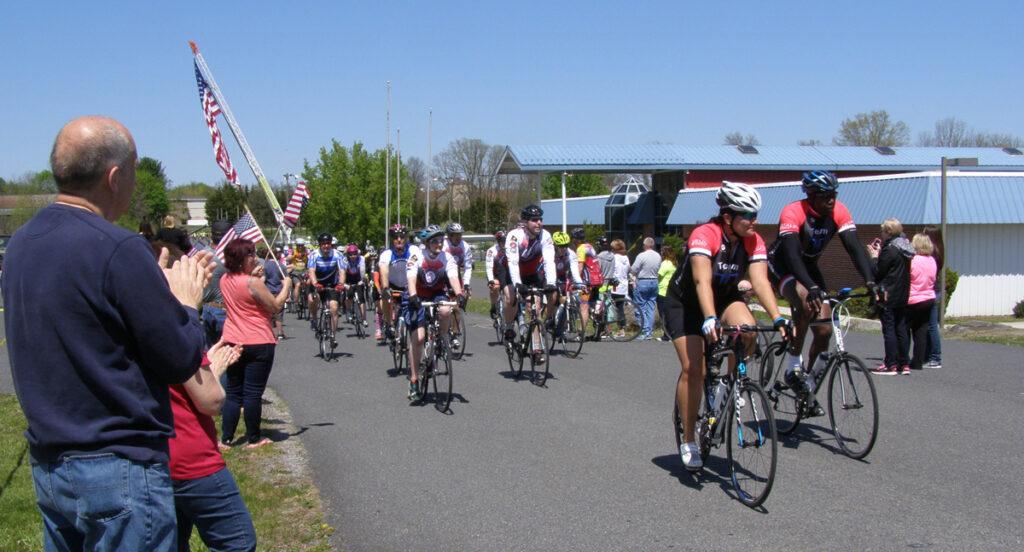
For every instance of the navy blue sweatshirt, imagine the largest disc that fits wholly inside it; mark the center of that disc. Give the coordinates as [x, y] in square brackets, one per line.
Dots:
[94, 337]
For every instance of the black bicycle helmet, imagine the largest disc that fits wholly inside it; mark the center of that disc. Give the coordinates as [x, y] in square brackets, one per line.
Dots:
[603, 242]
[324, 237]
[578, 234]
[397, 230]
[824, 181]
[431, 232]
[531, 211]
[454, 228]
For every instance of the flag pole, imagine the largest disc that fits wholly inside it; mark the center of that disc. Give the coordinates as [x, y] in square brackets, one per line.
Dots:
[236, 131]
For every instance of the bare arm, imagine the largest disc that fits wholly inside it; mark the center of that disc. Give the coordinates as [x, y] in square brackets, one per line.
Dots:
[204, 387]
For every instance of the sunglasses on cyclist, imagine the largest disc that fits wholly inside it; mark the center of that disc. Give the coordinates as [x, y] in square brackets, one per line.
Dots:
[534, 219]
[746, 216]
[825, 195]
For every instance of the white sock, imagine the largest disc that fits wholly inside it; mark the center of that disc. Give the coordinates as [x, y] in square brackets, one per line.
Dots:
[819, 364]
[794, 362]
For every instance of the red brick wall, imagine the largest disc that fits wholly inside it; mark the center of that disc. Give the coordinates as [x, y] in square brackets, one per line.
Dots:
[710, 179]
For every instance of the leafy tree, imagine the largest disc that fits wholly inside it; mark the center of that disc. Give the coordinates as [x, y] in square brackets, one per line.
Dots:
[872, 129]
[737, 139]
[576, 185]
[226, 202]
[347, 189]
[154, 167]
[149, 199]
[484, 216]
[811, 142]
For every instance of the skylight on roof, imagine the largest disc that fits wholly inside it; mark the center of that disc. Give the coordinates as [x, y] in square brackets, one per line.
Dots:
[885, 150]
[1013, 151]
[747, 149]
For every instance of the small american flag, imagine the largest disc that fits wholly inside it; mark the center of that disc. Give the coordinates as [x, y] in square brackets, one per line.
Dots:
[296, 205]
[246, 229]
[211, 110]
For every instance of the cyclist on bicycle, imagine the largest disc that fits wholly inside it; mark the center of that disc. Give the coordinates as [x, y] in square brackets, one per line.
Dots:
[496, 268]
[392, 266]
[355, 274]
[704, 289]
[531, 262]
[590, 272]
[428, 271]
[375, 289]
[295, 261]
[461, 252]
[566, 266]
[325, 267]
[805, 228]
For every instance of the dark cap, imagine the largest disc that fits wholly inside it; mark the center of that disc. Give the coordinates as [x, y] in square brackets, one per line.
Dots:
[219, 228]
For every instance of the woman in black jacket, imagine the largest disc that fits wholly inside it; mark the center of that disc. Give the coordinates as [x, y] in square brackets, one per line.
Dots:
[890, 260]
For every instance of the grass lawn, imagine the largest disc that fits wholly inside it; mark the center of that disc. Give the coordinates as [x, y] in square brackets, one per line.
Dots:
[282, 500]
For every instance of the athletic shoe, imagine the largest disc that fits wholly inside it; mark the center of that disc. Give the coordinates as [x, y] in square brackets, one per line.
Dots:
[377, 335]
[884, 370]
[815, 410]
[690, 455]
[334, 343]
[539, 357]
[510, 335]
[312, 324]
[414, 390]
[796, 381]
[366, 324]
[455, 343]
[494, 311]
[933, 364]
[905, 370]
[280, 337]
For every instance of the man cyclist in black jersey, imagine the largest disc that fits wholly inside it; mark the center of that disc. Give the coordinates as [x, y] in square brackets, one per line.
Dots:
[805, 228]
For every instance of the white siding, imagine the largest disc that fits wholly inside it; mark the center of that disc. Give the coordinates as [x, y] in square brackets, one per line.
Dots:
[990, 261]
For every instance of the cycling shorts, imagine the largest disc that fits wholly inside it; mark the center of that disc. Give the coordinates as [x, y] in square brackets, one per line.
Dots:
[419, 318]
[328, 294]
[683, 320]
[350, 289]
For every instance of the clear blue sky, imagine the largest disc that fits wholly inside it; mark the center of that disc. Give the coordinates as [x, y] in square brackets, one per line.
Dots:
[297, 74]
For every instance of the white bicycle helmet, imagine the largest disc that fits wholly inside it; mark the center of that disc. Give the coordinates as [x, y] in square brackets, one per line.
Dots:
[739, 197]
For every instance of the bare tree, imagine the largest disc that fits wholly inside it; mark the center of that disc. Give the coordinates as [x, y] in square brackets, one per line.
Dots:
[414, 169]
[811, 142]
[950, 132]
[872, 129]
[737, 139]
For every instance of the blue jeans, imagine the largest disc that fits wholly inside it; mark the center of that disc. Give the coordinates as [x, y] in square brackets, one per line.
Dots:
[213, 323]
[105, 502]
[645, 297]
[214, 506]
[934, 350]
[246, 381]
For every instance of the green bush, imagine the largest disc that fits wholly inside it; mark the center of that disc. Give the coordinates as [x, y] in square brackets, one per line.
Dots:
[952, 277]
[861, 307]
[676, 241]
[1018, 310]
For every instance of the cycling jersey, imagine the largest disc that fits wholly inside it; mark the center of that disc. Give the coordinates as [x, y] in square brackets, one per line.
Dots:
[729, 262]
[431, 274]
[354, 271]
[530, 256]
[326, 269]
[566, 265]
[591, 272]
[298, 259]
[814, 230]
[396, 266]
[496, 260]
[463, 256]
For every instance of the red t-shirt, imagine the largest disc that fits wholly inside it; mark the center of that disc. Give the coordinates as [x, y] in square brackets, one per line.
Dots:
[813, 230]
[194, 451]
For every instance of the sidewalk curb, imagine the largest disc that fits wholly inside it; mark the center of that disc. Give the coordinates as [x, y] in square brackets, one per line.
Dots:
[859, 324]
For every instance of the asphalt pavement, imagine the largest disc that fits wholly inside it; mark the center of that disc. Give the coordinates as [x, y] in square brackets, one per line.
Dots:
[588, 462]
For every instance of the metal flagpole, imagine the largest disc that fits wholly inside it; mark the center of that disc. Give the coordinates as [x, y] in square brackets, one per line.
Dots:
[398, 171]
[239, 137]
[430, 131]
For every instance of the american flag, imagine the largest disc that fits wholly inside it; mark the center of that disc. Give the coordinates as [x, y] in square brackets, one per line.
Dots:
[246, 229]
[211, 110]
[296, 205]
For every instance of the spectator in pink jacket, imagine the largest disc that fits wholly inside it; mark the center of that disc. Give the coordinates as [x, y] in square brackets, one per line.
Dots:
[922, 297]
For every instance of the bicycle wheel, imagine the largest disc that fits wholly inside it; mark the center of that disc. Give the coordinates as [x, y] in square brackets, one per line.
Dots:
[750, 443]
[357, 317]
[442, 377]
[457, 329]
[787, 405]
[539, 369]
[627, 325]
[324, 335]
[572, 332]
[702, 431]
[852, 406]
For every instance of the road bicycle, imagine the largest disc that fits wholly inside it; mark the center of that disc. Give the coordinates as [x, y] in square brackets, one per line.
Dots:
[617, 317]
[398, 342]
[735, 410]
[852, 403]
[356, 314]
[299, 302]
[531, 341]
[498, 321]
[435, 369]
[324, 335]
[569, 323]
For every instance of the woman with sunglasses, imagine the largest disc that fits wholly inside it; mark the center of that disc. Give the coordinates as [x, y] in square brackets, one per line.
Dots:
[805, 228]
[704, 290]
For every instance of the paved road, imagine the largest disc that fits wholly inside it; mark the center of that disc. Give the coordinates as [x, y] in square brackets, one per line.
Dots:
[588, 463]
